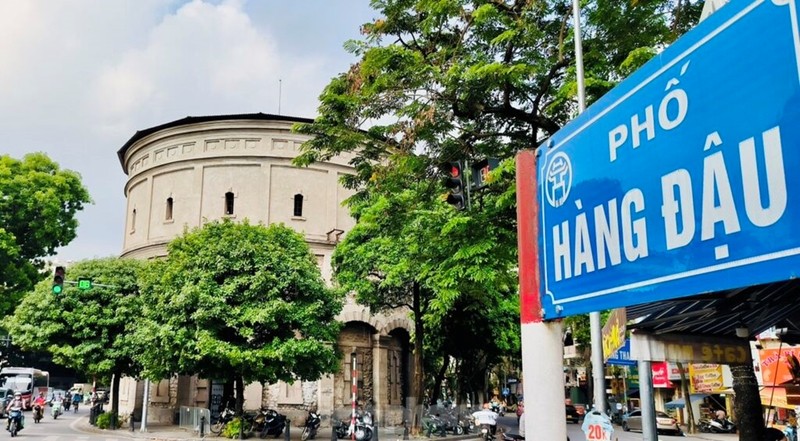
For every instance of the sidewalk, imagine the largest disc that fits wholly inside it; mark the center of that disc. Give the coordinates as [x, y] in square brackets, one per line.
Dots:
[715, 436]
[176, 433]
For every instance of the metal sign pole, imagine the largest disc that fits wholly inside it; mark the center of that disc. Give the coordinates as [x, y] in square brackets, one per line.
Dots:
[542, 342]
[598, 373]
[354, 375]
[145, 405]
[649, 429]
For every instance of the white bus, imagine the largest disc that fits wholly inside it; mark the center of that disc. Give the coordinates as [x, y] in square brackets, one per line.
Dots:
[27, 381]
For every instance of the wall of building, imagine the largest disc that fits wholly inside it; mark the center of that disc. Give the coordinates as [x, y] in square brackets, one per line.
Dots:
[178, 178]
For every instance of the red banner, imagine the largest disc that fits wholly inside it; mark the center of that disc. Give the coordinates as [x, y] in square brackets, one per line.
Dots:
[661, 375]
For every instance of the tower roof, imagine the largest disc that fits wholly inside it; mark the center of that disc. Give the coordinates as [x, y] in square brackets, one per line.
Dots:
[202, 119]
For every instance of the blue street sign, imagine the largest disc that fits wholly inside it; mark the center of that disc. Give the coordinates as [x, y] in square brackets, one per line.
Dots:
[622, 357]
[686, 177]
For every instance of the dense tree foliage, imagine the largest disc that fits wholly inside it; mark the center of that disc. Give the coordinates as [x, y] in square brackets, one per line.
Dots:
[38, 205]
[239, 302]
[445, 80]
[409, 249]
[86, 330]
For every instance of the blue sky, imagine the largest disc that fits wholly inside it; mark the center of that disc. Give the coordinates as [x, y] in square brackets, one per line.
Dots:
[79, 77]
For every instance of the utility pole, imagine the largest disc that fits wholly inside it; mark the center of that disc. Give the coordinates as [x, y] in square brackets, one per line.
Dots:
[598, 373]
[145, 406]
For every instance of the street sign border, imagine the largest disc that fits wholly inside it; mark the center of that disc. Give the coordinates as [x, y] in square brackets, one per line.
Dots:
[551, 146]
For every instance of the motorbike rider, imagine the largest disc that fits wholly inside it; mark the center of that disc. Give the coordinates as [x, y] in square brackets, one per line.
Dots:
[16, 402]
[40, 401]
[486, 416]
[57, 403]
[77, 397]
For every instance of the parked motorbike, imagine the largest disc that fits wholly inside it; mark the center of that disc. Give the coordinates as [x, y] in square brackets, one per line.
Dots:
[434, 424]
[15, 420]
[468, 423]
[271, 423]
[716, 426]
[55, 409]
[362, 428]
[452, 423]
[311, 426]
[224, 418]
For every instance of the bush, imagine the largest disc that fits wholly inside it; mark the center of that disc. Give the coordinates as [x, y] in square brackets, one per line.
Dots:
[105, 418]
[232, 429]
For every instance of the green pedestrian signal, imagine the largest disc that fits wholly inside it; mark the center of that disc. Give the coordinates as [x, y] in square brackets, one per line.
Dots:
[84, 284]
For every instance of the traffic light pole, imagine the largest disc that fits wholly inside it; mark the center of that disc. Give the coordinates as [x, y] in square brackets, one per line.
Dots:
[467, 180]
[72, 282]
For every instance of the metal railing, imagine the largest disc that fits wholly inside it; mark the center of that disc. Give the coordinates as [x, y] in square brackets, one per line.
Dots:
[191, 418]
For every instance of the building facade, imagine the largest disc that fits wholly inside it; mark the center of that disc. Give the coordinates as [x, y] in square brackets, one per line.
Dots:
[189, 171]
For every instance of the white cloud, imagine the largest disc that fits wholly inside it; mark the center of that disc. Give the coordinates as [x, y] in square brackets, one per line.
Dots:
[79, 77]
[203, 59]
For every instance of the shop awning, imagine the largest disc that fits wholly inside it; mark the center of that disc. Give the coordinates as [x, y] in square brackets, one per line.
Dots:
[778, 397]
[680, 403]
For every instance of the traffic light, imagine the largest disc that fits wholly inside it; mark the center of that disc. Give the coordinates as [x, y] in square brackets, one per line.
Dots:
[480, 172]
[58, 280]
[455, 182]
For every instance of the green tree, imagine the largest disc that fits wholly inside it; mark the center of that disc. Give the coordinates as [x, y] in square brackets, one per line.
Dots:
[87, 330]
[410, 249]
[238, 302]
[444, 80]
[38, 205]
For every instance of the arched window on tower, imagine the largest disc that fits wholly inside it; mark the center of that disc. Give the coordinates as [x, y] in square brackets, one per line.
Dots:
[168, 214]
[298, 205]
[133, 220]
[229, 203]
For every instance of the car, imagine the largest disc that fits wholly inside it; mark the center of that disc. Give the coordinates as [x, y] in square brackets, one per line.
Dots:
[572, 414]
[664, 423]
[6, 395]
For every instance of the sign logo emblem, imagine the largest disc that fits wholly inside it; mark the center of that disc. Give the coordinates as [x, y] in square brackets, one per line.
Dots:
[558, 179]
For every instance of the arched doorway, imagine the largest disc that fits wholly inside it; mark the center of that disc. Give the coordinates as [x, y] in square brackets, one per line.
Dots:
[355, 338]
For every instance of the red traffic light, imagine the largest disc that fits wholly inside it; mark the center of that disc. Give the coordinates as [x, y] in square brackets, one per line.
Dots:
[455, 170]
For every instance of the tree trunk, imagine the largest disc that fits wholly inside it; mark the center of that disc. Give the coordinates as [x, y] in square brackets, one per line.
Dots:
[115, 399]
[417, 385]
[747, 407]
[228, 392]
[437, 382]
[239, 395]
[687, 400]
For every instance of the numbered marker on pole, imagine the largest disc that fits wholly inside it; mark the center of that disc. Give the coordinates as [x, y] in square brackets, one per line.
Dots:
[597, 427]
